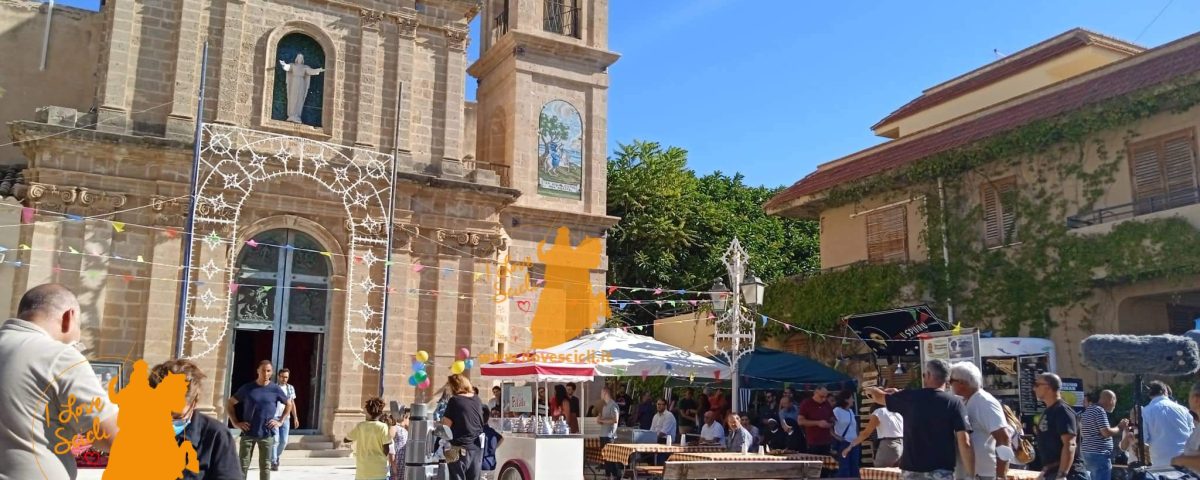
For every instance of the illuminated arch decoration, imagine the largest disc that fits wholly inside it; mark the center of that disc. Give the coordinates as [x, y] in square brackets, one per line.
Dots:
[233, 162]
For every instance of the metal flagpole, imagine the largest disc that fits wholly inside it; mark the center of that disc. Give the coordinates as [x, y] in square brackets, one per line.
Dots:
[391, 226]
[185, 285]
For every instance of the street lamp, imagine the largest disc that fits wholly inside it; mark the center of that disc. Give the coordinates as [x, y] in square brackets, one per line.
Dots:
[720, 296]
[752, 290]
[735, 331]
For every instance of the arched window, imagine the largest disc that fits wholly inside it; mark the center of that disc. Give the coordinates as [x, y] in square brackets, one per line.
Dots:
[286, 50]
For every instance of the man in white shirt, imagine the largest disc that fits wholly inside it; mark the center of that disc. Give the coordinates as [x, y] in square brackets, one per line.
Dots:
[1167, 425]
[41, 373]
[663, 422]
[285, 424]
[986, 420]
[712, 432]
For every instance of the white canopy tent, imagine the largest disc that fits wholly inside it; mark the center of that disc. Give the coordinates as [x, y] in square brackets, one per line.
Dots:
[637, 355]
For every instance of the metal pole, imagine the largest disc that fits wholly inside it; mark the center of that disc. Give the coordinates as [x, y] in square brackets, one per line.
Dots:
[191, 219]
[387, 269]
[735, 263]
[945, 251]
[46, 35]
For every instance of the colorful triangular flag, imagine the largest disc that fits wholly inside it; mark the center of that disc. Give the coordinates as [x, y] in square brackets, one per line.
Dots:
[478, 275]
[73, 250]
[418, 267]
[74, 218]
[23, 246]
[140, 259]
[119, 226]
[764, 320]
[171, 233]
[612, 289]
[233, 286]
[127, 278]
[658, 291]
[27, 215]
[327, 254]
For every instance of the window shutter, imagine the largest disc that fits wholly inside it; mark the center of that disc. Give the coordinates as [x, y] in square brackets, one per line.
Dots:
[887, 235]
[1179, 165]
[993, 232]
[998, 200]
[1147, 176]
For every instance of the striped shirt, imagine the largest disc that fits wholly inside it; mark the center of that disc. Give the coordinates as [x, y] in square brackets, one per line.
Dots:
[1093, 420]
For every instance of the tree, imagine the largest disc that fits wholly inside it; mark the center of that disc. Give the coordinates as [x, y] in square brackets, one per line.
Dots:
[675, 226]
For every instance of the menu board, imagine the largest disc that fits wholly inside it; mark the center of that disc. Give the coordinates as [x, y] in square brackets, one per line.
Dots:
[951, 347]
[1031, 367]
[1072, 393]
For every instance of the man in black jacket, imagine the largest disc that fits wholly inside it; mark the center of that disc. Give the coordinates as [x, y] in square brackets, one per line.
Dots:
[214, 445]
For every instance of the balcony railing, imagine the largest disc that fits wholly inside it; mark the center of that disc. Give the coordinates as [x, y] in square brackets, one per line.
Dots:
[561, 17]
[500, 25]
[1141, 206]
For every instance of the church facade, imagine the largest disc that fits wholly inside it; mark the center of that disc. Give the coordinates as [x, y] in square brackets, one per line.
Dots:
[352, 206]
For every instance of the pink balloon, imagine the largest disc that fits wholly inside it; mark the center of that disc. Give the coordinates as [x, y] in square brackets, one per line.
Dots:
[463, 354]
[424, 384]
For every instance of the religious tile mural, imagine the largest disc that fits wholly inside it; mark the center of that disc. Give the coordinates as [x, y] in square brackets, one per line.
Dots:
[560, 151]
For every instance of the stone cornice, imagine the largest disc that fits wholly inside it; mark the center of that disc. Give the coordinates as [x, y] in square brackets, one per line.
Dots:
[44, 195]
[548, 216]
[518, 44]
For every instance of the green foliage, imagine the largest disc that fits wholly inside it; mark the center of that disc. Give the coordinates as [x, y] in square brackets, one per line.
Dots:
[818, 303]
[551, 129]
[675, 226]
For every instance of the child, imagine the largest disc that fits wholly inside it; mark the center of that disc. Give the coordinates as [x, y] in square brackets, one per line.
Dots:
[491, 441]
[399, 432]
[373, 443]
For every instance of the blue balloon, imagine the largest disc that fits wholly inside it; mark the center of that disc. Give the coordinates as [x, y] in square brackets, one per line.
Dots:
[418, 366]
[412, 381]
[470, 363]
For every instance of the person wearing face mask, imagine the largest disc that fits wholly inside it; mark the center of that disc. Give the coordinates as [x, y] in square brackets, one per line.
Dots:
[40, 371]
[215, 451]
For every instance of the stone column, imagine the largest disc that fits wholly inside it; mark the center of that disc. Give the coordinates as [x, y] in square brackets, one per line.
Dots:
[370, 81]
[398, 343]
[231, 68]
[163, 291]
[115, 95]
[406, 23]
[190, 52]
[456, 68]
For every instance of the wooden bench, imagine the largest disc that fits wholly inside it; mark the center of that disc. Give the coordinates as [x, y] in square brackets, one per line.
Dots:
[741, 470]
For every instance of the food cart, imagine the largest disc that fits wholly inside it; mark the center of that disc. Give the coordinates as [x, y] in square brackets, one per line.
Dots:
[534, 455]
[1010, 365]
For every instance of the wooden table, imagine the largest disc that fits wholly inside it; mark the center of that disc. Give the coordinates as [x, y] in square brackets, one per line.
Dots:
[825, 460]
[892, 473]
[829, 462]
[630, 453]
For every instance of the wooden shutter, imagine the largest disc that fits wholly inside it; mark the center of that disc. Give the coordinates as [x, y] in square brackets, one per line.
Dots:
[1179, 166]
[887, 235]
[999, 211]
[1163, 172]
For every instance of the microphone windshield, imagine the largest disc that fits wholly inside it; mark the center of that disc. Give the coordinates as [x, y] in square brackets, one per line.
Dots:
[1141, 354]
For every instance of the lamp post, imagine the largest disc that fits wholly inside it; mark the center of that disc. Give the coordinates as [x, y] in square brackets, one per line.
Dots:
[735, 335]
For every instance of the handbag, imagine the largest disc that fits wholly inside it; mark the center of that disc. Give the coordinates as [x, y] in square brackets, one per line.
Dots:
[454, 454]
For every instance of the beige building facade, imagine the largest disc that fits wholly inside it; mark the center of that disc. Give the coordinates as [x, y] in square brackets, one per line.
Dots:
[1147, 163]
[297, 192]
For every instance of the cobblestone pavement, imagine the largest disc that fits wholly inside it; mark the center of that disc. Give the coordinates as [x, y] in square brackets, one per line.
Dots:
[284, 473]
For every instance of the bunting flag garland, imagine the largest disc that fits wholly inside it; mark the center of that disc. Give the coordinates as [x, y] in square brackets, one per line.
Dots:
[171, 232]
[611, 289]
[658, 291]
[73, 250]
[74, 218]
[23, 246]
[416, 268]
[140, 259]
[27, 215]
[252, 243]
[119, 227]
[327, 254]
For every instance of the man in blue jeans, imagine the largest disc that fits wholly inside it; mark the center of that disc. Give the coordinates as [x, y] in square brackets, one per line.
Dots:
[285, 424]
[1096, 433]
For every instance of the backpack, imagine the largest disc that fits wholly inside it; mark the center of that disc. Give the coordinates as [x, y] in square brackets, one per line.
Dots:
[1021, 447]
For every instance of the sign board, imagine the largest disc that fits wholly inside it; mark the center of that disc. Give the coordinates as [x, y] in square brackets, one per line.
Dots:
[1030, 367]
[518, 399]
[1072, 393]
[953, 348]
[893, 333]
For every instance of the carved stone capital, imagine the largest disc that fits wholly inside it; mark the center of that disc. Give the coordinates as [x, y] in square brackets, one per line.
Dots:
[408, 23]
[49, 196]
[456, 38]
[370, 18]
[167, 211]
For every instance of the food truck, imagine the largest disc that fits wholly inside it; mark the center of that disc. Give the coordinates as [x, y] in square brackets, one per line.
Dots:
[533, 448]
[1010, 366]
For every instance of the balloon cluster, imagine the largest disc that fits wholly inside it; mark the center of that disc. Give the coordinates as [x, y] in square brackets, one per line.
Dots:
[420, 376]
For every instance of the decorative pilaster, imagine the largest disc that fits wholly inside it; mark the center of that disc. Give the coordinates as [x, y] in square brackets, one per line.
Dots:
[181, 120]
[115, 95]
[455, 88]
[406, 23]
[370, 83]
[231, 63]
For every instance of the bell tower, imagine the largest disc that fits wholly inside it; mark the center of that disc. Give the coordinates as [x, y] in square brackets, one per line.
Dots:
[543, 101]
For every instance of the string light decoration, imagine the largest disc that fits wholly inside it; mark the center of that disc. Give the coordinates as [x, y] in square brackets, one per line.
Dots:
[234, 161]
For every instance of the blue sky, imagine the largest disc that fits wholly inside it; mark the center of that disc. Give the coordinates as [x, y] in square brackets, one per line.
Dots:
[772, 88]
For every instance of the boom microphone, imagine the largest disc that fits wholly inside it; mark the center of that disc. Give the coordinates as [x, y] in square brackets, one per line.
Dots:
[1170, 355]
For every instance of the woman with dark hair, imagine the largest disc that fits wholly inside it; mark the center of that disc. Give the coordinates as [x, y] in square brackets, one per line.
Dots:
[566, 408]
[845, 430]
[464, 416]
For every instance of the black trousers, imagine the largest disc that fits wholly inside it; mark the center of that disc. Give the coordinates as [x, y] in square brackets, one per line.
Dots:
[611, 469]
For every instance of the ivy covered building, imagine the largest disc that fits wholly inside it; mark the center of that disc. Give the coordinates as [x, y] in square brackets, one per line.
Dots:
[1051, 193]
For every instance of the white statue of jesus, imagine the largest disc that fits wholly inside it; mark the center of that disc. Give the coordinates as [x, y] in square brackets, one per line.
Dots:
[298, 77]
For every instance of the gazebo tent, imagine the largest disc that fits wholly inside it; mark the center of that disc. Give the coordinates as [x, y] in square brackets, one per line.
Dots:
[766, 368]
[620, 353]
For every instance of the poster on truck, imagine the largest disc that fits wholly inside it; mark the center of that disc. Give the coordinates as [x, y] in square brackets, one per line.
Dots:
[952, 347]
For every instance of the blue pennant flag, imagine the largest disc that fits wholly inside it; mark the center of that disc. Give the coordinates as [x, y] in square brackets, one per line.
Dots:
[74, 218]
[764, 320]
[622, 305]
